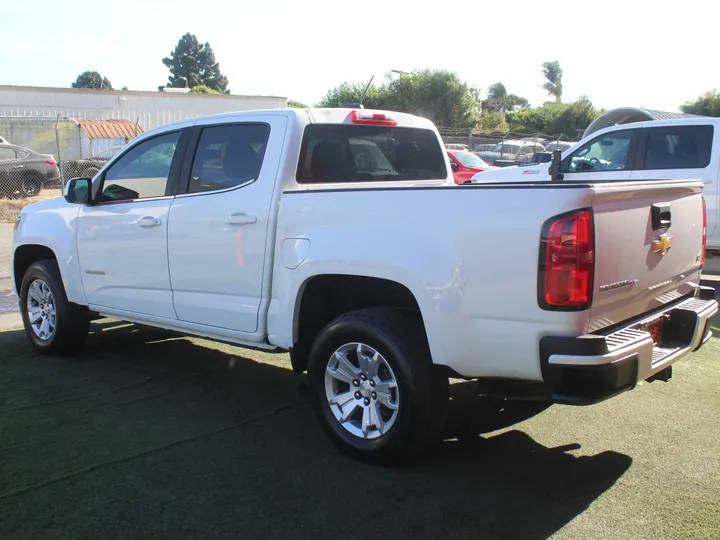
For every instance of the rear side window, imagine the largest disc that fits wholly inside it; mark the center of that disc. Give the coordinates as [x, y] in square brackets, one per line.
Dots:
[228, 156]
[351, 153]
[678, 147]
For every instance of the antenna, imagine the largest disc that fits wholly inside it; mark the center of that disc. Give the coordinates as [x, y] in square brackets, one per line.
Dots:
[359, 104]
[366, 89]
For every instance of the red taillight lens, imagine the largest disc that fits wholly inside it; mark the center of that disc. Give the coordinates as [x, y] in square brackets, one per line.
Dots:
[51, 162]
[567, 262]
[704, 233]
[373, 118]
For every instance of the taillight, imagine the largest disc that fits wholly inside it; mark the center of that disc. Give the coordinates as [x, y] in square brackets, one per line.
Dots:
[373, 118]
[567, 262]
[51, 162]
[704, 233]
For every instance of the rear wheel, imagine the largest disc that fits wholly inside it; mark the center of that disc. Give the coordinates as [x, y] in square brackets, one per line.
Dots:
[52, 323]
[30, 185]
[374, 387]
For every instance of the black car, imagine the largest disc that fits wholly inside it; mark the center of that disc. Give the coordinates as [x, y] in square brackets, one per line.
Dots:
[23, 172]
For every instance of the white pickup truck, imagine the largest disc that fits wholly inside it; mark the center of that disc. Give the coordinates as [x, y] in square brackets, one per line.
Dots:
[339, 235]
[654, 150]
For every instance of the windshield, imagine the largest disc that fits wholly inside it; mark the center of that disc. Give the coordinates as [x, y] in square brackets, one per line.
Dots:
[352, 153]
[469, 160]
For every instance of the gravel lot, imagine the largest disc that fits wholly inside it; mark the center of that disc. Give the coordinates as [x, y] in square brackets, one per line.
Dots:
[147, 435]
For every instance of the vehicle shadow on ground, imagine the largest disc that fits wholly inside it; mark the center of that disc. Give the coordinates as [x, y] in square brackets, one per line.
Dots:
[149, 435]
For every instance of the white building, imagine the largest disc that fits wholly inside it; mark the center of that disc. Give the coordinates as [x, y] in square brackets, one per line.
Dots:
[149, 109]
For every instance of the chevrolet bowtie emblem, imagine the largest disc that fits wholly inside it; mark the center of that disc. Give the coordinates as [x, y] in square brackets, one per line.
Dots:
[662, 245]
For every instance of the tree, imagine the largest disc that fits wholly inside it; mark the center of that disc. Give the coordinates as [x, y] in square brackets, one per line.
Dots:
[492, 121]
[707, 104]
[438, 95]
[296, 104]
[557, 118]
[193, 64]
[553, 73]
[347, 93]
[92, 79]
[499, 100]
[202, 89]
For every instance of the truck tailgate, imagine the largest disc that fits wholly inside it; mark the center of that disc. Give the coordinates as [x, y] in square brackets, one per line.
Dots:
[648, 244]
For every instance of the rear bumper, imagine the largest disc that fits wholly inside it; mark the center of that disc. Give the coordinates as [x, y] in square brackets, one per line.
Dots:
[591, 368]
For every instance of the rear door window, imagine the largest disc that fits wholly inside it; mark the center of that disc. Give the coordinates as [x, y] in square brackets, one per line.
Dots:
[678, 147]
[350, 153]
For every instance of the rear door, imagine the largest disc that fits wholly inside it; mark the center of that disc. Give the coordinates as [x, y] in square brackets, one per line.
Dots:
[681, 152]
[218, 231]
[648, 243]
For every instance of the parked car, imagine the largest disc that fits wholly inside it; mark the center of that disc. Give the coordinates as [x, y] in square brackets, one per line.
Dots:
[508, 152]
[88, 167]
[466, 164]
[558, 145]
[658, 149]
[451, 146]
[382, 281]
[23, 172]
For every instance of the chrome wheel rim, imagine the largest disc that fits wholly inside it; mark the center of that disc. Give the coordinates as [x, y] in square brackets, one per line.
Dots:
[362, 391]
[41, 310]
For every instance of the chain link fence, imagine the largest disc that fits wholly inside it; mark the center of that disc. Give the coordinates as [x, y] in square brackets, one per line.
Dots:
[32, 155]
[38, 155]
[503, 149]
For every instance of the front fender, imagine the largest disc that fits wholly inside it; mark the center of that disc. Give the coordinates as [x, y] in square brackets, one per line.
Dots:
[53, 224]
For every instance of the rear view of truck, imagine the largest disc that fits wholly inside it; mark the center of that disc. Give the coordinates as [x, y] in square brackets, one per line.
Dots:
[632, 263]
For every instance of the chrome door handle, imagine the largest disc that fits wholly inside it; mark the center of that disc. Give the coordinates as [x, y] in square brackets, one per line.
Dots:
[148, 222]
[240, 218]
[19, 167]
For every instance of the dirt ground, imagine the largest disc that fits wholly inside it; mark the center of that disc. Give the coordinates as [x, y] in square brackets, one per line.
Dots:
[147, 435]
[9, 208]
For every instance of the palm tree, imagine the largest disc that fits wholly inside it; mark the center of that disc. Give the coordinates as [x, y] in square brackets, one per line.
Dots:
[497, 97]
[553, 73]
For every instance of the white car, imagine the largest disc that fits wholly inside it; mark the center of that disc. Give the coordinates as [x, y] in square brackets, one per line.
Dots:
[642, 151]
[339, 235]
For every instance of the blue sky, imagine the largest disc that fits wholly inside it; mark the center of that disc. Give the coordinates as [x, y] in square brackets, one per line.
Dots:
[656, 54]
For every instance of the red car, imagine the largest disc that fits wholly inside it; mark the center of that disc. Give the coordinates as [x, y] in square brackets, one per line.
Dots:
[466, 164]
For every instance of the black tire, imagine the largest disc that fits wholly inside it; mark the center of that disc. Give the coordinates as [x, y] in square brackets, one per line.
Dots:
[72, 322]
[31, 185]
[423, 397]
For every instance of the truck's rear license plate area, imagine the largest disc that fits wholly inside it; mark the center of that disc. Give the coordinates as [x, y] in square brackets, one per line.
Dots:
[655, 329]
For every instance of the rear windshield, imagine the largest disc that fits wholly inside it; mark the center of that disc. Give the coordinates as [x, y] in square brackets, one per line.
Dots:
[350, 153]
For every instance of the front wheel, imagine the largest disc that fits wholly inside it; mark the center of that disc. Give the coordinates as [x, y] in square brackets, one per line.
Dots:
[52, 323]
[374, 387]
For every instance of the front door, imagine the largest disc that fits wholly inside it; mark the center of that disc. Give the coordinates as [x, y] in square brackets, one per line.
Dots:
[606, 157]
[219, 226]
[122, 238]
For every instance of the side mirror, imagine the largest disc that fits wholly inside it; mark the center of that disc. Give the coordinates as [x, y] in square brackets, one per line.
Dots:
[554, 169]
[454, 166]
[79, 191]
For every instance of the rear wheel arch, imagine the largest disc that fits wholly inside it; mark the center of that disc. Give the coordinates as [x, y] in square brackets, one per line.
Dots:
[324, 297]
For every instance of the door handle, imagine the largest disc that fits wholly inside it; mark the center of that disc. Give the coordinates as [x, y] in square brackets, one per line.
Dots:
[240, 218]
[19, 167]
[148, 222]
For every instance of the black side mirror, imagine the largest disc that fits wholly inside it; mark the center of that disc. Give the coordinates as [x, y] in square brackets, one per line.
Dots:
[554, 169]
[79, 191]
[454, 166]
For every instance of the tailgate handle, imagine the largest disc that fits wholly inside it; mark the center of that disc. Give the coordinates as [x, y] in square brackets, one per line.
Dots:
[661, 218]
